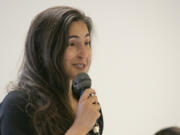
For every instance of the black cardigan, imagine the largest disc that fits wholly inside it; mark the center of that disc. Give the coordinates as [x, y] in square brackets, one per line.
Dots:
[13, 118]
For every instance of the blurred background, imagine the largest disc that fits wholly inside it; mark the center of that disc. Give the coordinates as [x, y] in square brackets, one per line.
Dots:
[136, 58]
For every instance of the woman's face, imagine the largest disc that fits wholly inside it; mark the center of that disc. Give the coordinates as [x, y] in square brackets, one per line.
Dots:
[77, 56]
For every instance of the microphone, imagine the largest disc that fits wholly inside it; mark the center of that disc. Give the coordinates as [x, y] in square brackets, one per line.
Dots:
[81, 82]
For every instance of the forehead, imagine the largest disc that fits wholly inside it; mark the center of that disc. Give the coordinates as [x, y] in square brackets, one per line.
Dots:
[78, 28]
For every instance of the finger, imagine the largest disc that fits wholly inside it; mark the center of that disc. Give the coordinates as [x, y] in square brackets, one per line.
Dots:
[87, 92]
[94, 105]
[93, 100]
[97, 108]
[99, 114]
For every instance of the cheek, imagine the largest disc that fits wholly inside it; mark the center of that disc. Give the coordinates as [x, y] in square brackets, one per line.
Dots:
[67, 58]
[89, 56]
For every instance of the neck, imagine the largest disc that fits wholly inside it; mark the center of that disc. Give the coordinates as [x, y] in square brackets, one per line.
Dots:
[70, 89]
[73, 101]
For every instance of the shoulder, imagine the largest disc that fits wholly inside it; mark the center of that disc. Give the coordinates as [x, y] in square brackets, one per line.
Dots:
[15, 95]
[13, 116]
[14, 99]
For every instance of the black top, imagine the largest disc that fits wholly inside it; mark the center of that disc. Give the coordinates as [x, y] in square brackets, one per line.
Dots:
[13, 118]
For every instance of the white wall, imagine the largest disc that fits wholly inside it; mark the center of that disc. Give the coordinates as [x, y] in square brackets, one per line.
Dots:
[136, 61]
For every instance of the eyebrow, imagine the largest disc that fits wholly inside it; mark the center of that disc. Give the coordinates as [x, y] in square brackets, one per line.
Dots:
[75, 36]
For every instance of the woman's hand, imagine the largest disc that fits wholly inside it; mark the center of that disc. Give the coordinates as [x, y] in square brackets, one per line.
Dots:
[87, 111]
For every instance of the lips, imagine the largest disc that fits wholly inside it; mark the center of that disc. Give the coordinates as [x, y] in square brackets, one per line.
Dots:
[79, 65]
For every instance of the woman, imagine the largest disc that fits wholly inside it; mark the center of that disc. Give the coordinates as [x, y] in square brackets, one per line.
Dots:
[57, 48]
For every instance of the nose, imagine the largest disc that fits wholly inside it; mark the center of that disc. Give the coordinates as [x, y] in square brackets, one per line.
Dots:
[82, 52]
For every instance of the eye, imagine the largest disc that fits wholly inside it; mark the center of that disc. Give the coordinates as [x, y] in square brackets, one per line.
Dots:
[88, 43]
[71, 44]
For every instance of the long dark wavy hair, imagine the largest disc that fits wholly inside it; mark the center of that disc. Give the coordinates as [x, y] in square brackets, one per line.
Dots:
[43, 75]
[169, 131]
